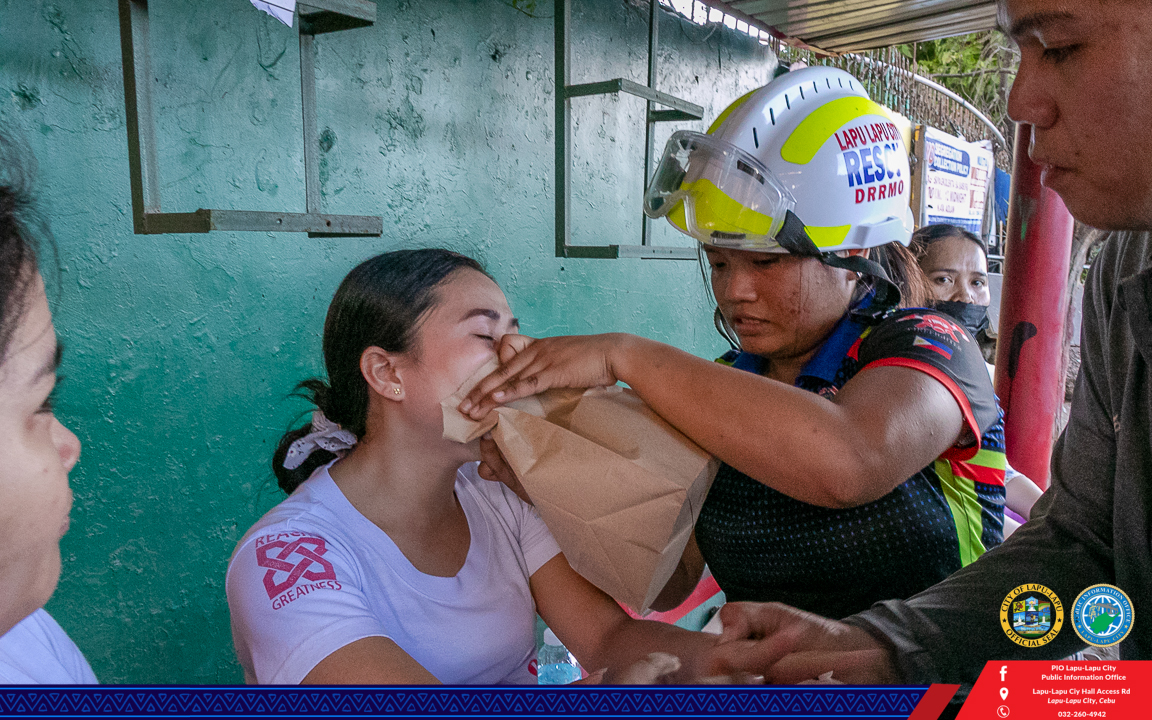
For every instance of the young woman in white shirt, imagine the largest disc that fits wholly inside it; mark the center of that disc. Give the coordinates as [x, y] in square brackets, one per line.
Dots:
[393, 561]
[38, 451]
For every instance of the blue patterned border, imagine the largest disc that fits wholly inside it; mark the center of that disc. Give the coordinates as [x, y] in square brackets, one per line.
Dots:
[822, 701]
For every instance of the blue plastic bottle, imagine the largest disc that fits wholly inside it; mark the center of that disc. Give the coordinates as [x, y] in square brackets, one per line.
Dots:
[554, 664]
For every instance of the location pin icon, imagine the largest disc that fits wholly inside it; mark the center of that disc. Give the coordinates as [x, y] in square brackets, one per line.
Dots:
[1003, 693]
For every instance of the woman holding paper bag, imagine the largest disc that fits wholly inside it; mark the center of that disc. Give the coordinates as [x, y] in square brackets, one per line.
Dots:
[392, 561]
[862, 444]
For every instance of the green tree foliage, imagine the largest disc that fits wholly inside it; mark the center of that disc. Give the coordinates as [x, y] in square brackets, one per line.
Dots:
[979, 67]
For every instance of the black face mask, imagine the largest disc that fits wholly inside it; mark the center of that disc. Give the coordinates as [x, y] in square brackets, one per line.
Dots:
[974, 318]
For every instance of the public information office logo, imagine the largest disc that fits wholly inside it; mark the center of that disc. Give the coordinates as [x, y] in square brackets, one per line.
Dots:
[1102, 615]
[1031, 615]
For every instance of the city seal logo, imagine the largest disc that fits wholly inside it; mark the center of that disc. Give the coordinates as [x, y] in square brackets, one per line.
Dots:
[1102, 615]
[1031, 615]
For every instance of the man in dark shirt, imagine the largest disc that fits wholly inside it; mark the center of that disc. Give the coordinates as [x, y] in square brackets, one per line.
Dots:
[1085, 85]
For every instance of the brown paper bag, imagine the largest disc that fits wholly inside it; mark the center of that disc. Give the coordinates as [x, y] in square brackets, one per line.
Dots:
[619, 487]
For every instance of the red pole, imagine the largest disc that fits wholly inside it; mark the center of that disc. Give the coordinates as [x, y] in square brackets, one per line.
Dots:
[1029, 371]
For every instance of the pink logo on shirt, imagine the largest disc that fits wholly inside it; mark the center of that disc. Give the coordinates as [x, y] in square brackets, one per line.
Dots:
[277, 556]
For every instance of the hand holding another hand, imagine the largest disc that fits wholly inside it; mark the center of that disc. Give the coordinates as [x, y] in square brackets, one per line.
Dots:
[789, 646]
[769, 643]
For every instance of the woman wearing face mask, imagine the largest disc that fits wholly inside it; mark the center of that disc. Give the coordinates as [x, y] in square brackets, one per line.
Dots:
[39, 451]
[956, 264]
[392, 561]
[862, 446]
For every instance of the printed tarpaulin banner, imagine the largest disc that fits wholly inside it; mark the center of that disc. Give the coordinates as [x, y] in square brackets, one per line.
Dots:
[954, 177]
[1003, 187]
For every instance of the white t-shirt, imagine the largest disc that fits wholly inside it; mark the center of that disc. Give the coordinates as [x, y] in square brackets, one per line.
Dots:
[314, 575]
[37, 651]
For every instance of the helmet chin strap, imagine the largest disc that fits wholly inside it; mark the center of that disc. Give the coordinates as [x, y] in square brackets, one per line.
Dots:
[725, 329]
[793, 237]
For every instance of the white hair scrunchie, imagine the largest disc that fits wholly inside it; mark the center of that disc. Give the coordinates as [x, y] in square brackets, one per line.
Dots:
[325, 435]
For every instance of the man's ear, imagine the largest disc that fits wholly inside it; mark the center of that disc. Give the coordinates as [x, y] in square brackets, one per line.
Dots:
[379, 368]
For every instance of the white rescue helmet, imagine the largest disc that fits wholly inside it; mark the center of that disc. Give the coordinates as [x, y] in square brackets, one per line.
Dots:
[809, 154]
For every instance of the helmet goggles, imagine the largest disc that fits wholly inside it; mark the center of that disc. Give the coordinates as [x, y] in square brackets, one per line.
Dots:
[718, 193]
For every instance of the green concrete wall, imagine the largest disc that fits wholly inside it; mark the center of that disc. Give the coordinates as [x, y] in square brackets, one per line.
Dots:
[181, 349]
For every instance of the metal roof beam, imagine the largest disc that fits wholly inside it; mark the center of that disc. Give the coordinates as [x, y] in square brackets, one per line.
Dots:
[791, 11]
[812, 26]
[881, 36]
[898, 39]
[852, 25]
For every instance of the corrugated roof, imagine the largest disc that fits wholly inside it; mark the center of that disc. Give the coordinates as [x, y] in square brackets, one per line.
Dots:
[841, 26]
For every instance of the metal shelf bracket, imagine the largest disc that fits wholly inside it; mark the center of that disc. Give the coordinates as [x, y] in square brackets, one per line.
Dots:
[680, 110]
[315, 17]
